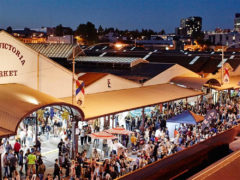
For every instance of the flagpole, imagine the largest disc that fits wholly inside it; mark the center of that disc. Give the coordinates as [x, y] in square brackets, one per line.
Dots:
[222, 65]
[73, 73]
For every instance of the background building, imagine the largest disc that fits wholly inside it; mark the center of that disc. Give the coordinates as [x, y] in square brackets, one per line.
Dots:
[237, 22]
[223, 38]
[189, 26]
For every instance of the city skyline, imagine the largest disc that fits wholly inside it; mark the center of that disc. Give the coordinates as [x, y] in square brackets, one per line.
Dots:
[134, 14]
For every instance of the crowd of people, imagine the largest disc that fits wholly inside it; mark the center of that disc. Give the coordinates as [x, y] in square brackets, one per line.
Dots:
[142, 148]
[130, 151]
[15, 160]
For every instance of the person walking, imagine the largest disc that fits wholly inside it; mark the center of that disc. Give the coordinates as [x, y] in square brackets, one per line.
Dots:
[23, 137]
[73, 170]
[60, 144]
[38, 145]
[41, 170]
[31, 161]
[67, 165]
[13, 162]
[82, 136]
[17, 147]
[25, 159]
[6, 164]
[20, 161]
[8, 147]
[56, 172]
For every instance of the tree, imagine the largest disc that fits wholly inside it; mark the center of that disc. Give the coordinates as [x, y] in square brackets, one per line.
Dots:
[27, 32]
[67, 31]
[88, 32]
[9, 29]
[162, 32]
[59, 30]
[100, 30]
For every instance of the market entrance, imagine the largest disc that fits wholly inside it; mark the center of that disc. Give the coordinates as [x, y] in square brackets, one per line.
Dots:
[29, 117]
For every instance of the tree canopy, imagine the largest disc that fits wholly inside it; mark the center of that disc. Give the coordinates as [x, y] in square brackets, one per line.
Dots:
[88, 32]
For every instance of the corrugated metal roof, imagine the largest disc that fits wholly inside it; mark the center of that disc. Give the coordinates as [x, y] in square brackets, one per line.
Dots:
[121, 60]
[53, 50]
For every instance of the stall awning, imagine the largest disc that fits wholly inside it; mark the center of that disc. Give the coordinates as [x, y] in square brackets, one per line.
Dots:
[194, 82]
[186, 117]
[234, 83]
[17, 101]
[111, 102]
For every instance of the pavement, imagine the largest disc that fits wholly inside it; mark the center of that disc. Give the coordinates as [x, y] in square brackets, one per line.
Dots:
[49, 151]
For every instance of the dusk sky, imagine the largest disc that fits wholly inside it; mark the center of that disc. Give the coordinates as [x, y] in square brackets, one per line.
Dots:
[122, 14]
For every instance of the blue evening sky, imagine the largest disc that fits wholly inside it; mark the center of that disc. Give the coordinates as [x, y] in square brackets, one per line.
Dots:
[123, 14]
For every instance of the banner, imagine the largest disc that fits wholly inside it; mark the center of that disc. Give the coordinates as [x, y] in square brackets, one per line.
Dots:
[226, 76]
[79, 93]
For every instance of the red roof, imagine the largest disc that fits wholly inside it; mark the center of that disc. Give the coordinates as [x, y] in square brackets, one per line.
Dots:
[102, 135]
[90, 78]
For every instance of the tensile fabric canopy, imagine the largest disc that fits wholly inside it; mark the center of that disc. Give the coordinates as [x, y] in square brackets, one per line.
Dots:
[186, 117]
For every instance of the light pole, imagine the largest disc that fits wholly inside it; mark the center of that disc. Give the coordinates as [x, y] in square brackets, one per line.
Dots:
[73, 74]
[73, 63]
[222, 65]
[73, 68]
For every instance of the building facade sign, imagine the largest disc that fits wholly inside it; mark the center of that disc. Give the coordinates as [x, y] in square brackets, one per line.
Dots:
[8, 73]
[14, 50]
[21, 64]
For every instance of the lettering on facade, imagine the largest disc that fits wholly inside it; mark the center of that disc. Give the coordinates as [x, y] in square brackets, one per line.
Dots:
[8, 73]
[14, 50]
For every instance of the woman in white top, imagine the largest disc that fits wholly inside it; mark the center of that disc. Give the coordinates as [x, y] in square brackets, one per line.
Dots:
[72, 170]
[29, 136]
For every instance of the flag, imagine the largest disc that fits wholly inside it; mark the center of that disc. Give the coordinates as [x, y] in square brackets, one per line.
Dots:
[226, 76]
[79, 94]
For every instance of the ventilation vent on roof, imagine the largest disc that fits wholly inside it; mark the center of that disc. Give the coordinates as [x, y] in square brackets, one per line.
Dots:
[194, 60]
[148, 55]
[101, 55]
[232, 56]
[91, 47]
[220, 64]
[132, 48]
[105, 47]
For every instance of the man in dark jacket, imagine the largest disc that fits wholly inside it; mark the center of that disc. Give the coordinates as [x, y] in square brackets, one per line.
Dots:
[56, 170]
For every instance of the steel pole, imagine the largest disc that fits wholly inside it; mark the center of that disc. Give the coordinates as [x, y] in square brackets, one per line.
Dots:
[73, 73]
[222, 65]
[36, 129]
[73, 139]
[1, 160]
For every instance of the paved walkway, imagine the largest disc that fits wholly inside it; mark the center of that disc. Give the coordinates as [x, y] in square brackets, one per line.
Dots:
[49, 151]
